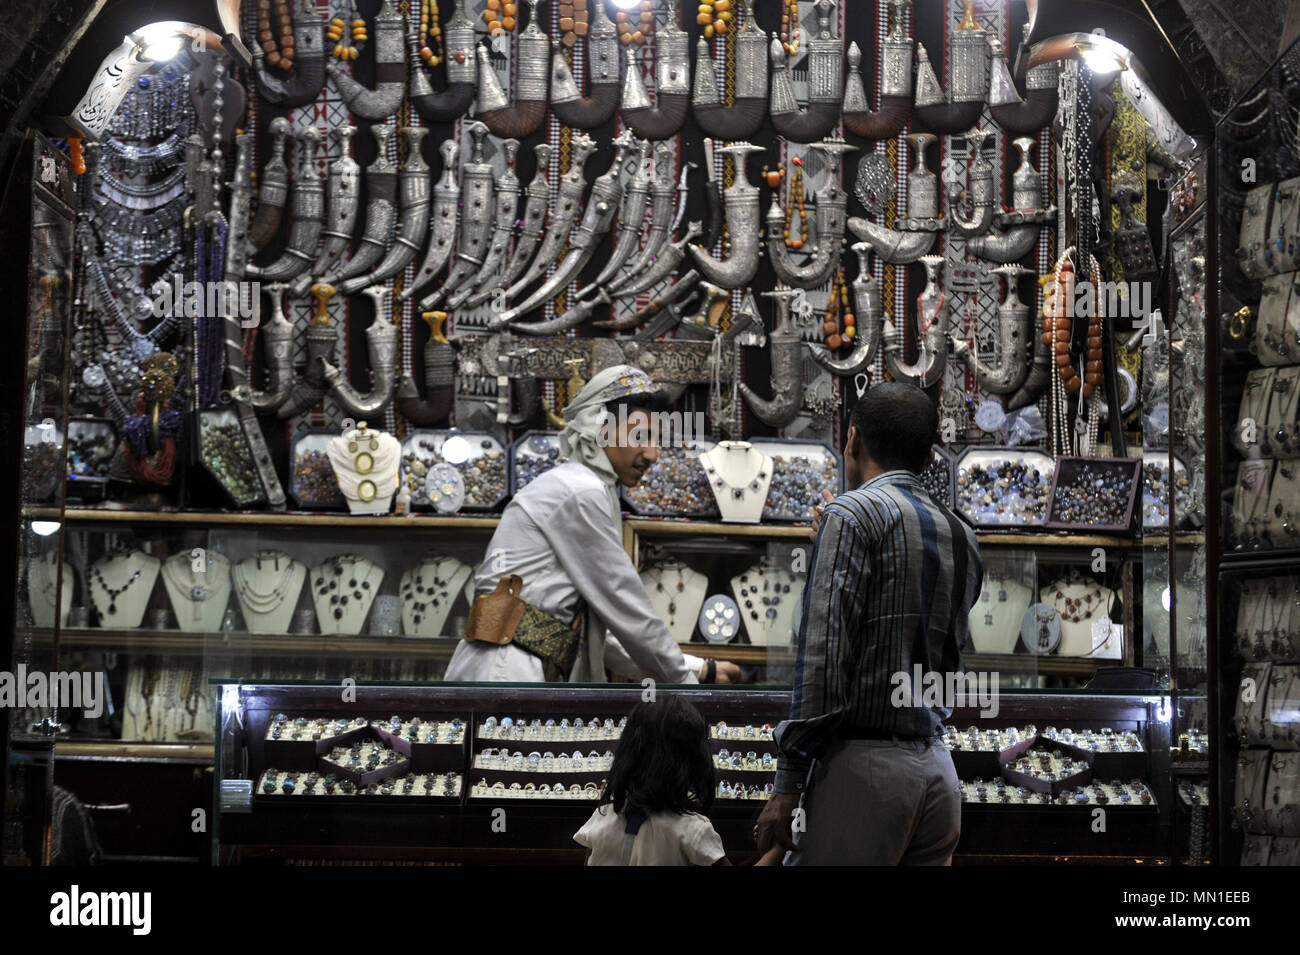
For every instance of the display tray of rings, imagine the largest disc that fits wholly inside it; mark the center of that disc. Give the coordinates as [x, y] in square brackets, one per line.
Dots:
[748, 774]
[547, 771]
[359, 757]
[998, 792]
[1096, 495]
[1050, 762]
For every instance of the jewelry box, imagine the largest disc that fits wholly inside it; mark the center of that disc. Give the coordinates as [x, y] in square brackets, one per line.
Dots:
[1004, 487]
[225, 455]
[312, 482]
[1094, 495]
[480, 458]
[532, 455]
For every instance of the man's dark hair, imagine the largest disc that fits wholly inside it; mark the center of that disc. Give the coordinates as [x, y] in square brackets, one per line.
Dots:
[663, 762]
[652, 401]
[898, 423]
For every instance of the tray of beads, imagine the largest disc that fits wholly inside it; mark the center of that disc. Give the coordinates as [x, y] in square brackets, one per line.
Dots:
[675, 485]
[1004, 487]
[429, 744]
[42, 461]
[940, 478]
[92, 442]
[276, 782]
[479, 457]
[1094, 494]
[296, 743]
[800, 471]
[1155, 491]
[313, 485]
[224, 452]
[531, 456]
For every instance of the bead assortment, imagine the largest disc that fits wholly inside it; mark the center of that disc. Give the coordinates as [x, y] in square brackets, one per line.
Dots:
[715, 16]
[278, 54]
[90, 450]
[937, 479]
[501, 15]
[338, 27]
[644, 26]
[431, 34]
[797, 483]
[224, 451]
[533, 457]
[484, 474]
[1004, 490]
[314, 482]
[1094, 493]
[1155, 494]
[675, 486]
[573, 20]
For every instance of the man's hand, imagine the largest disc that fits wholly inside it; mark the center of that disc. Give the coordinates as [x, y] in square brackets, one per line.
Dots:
[827, 496]
[728, 672]
[773, 829]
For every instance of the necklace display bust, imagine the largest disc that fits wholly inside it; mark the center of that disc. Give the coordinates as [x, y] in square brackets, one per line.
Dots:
[1081, 602]
[429, 591]
[267, 585]
[739, 475]
[342, 590]
[120, 586]
[768, 596]
[198, 597]
[996, 617]
[42, 582]
[677, 593]
[365, 465]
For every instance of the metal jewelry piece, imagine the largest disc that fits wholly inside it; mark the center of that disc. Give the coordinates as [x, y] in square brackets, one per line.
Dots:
[538, 195]
[968, 80]
[895, 84]
[870, 310]
[703, 324]
[832, 208]
[439, 379]
[462, 70]
[745, 117]
[477, 188]
[277, 338]
[635, 199]
[567, 102]
[309, 62]
[560, 222]
[743, 224]
[825, 84]
[672, 85]
[913, 234]
[344, 184]
[1014, 233]
[786, 349]
[532, 69]
[381, 213]
[980, 187]
[274, 189]
[308, 217]
[443, 223]
[597, 220]
[390, 70]
[1009, 111]
[1014, 325]
[507, 206]
[412, 220]
[875, 186]
[381, 345]
[934, 337]
[322, 339]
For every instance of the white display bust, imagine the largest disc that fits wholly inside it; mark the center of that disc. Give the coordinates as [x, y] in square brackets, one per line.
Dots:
[677, 593]
[365, 465]
[1077, 639]
[198, 597]
[342, 590]
[996, 617]
[428, 591]
[770, 623]
[267, 586]
[42, 582]
[120, 586]
[739, 476]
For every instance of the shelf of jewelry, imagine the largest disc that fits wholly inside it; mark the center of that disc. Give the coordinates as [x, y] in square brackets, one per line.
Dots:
[998, 791]
[483, 463]
[743, 776]
[274, 782]
[541, 773]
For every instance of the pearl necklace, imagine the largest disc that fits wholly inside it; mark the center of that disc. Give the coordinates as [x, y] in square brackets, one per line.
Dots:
[265, 602]
[186, 583]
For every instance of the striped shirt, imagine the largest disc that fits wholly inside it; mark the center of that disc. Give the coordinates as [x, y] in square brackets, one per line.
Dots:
[894, 575]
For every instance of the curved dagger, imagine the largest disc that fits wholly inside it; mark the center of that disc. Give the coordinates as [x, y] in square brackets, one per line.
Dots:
[344, 186]
[562, 218]
[530, 232]
[919, 225]
[895, 85]
[672, 85]
[322, 338]
[477, 185]
[442, 223]
[597, 220]
[241, 199]
[1013, 340]
[413, 220]
[309, 62]
[390, 70]
[1015, 233]
[866, 295]
[532, 68]
[934, 342]
[381, 346]
[968, 80]
[980, 184]
[786, 348]
[825, 84]
[662, 268]
[745, 117]
[1009, 111]
[665, 301]
[742, 224]
[439, 379]
[277, 336]
[381, 213]
[567, 102]
[274, 188]
[507, 206]
[661, 218]
[832, 208]
[634, 211]
[308, 217]
[462, 70]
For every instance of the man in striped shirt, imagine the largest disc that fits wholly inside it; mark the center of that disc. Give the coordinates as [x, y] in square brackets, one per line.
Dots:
[893, 576]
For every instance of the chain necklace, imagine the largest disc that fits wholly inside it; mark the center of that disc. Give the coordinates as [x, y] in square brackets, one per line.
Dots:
[263, 602]
[113, 592]
[1077, 609]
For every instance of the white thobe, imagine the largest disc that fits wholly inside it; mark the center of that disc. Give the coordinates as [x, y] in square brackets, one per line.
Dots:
[562, 535]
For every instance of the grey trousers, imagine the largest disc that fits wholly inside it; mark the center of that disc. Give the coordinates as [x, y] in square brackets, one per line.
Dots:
[880, 802]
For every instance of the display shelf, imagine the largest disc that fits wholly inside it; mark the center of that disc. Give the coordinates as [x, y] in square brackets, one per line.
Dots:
[1001, 662]
[174, 642]
[261, 519]
[130, 752]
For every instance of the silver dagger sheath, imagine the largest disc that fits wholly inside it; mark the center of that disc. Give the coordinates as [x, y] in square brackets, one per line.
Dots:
[274, 188]
[241, 200]
[538, 196]
[390, 70]
[442, 223]
[381, 213]
[277, 338]
[786, 349]
[477, 189]
[1014, 325]
[567, 102]
[308, 217]
[381, 346]
[507, 207]
[866, 295]
[344, 186]
[742, 223]
[634, 211]
[832, 209]
[664, 219]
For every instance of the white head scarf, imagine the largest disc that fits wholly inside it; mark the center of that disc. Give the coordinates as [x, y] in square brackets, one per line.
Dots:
[585, 416]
